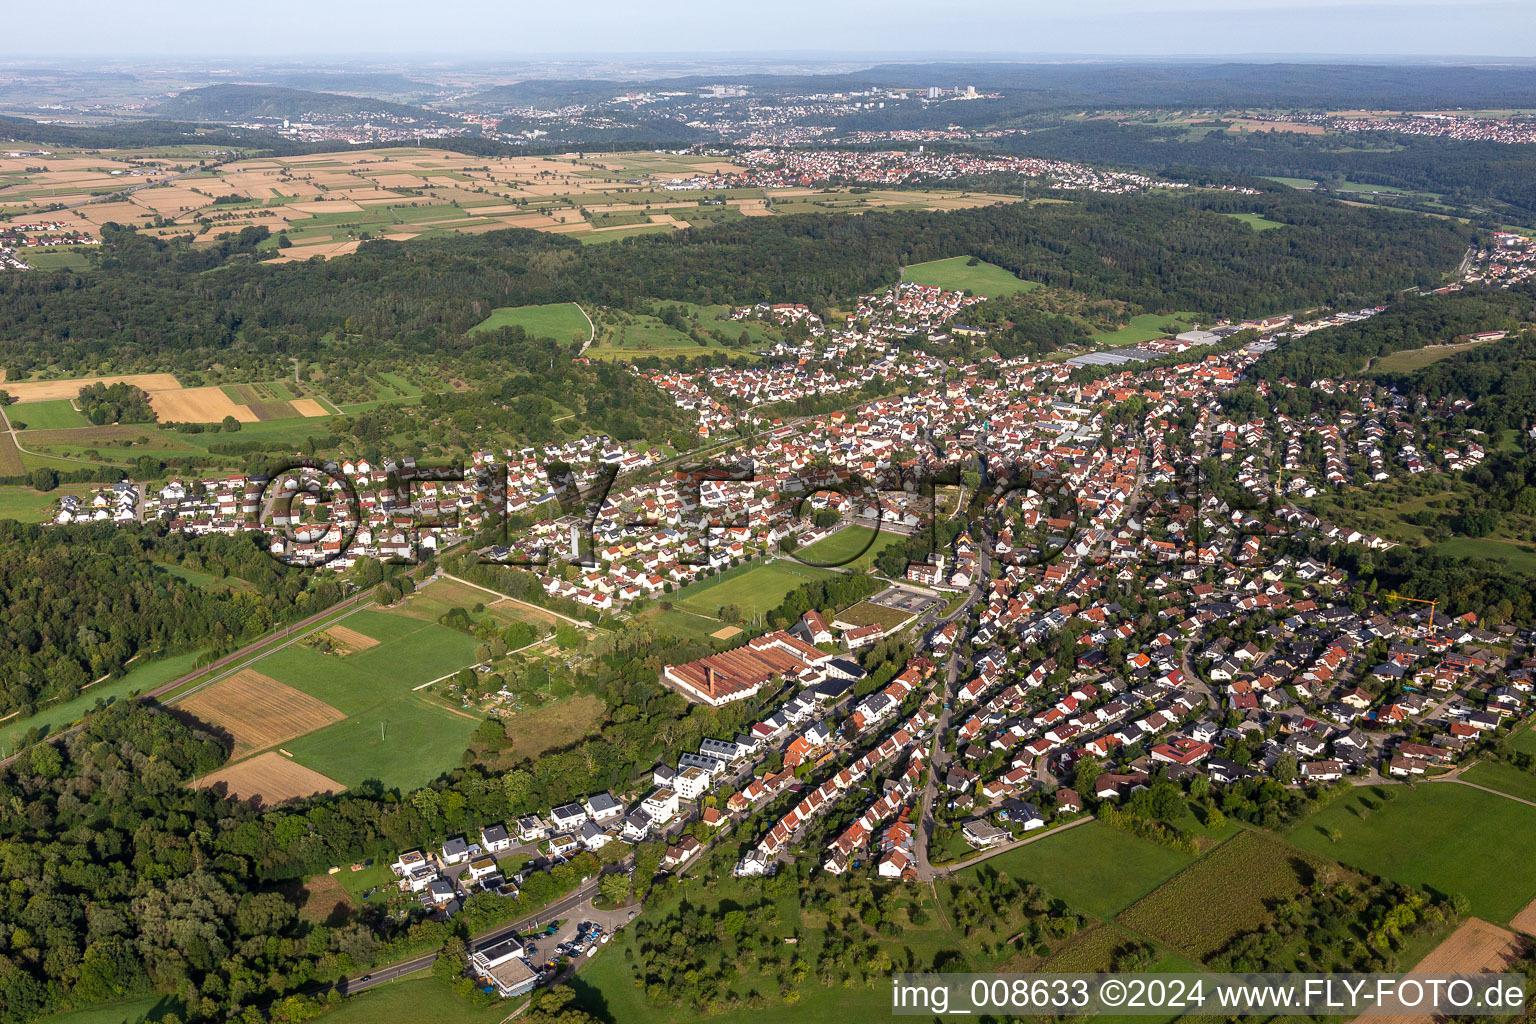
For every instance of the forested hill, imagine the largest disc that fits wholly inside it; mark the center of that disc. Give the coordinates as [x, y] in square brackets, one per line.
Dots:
[1462, 171]
[237, 102]
[1410, 324]
[154, 305]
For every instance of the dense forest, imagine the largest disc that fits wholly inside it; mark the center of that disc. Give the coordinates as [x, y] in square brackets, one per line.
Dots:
[1410, 323]
[120, 881]
[83, 600]
[1463, 171]
[150, 305]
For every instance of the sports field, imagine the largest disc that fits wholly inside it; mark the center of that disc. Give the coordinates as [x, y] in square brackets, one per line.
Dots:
[755, 590]
[954, 275]
[1440, 835]
[562, 321]
[853, 547]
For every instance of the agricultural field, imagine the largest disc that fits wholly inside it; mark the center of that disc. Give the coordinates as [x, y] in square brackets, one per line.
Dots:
[269, 779]
[381, 725]
[562, 321]
[1095, 868]
[11, 463]
[1437, 835]
[256, 711]
[1227, 892]
[755, 589]
[954, 274]
[26, 391]
[853, 547]
[328, 204]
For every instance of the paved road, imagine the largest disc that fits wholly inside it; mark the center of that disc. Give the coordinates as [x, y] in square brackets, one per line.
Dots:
[998, 851]
[393, 972]
[923, 868]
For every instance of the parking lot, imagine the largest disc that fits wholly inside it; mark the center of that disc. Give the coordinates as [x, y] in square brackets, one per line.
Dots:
[548, 946]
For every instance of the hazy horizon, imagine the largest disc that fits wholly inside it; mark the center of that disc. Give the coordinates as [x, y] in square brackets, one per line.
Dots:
[1373, 31]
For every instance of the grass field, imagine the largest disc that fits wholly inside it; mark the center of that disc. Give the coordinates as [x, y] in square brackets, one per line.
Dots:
[607, 989]
[1293, 182]
[391, 733]
[404, 743]
[867, 613]
[552, 726]
[1255, 221]
[1095, 868]
[1516, 556]
[1442, 836]
[418, 999]
[1412, 359]
[1524, 738]
[561, 321]
[954, 275]
[149, 1008]
[1505, 778]
[141, 677]
[29, 506]
[57, 414]
[1144, 328]
[755, 589]
[853, 547]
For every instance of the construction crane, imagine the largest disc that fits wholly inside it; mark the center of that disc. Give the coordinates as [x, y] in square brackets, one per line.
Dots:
[1418, 600]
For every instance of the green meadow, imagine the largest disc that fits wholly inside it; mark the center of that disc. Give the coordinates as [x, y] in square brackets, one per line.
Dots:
[561, 321]
[1438, 835]
[954, 275]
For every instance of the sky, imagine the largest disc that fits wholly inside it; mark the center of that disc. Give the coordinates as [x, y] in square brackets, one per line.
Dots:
[491, 28]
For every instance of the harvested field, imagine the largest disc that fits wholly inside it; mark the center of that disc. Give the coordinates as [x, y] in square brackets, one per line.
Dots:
[1474, 948]
[258, 711]
[324, 899]
[1525, 921]
[50, 390]
[726, 633]
[198, 405]
[352, 638]
[269, 779]
[308, 407]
